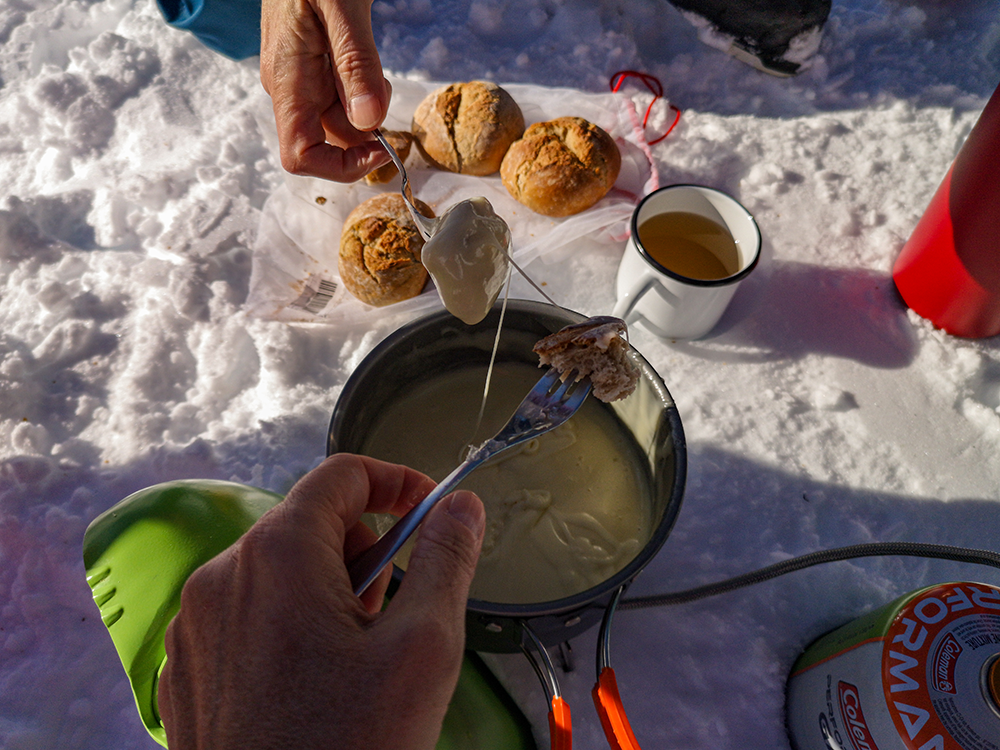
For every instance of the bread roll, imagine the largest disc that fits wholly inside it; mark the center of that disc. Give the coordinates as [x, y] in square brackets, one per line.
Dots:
[401, 141]
[561, 167]
[380, 251]
[595, 349]
[467, 127]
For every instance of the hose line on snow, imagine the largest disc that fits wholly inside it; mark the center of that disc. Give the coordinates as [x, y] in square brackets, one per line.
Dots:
[874, 549]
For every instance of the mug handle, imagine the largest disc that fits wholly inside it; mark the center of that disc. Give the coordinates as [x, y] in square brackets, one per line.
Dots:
[628, 301]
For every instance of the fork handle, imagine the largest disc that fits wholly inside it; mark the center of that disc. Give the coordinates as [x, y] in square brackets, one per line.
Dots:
[365, 568]
[425, 224]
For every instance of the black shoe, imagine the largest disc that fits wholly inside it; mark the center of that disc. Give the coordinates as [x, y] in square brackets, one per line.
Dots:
[775, 36]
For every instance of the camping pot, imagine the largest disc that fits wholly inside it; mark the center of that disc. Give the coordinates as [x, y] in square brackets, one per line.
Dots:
[438, 343]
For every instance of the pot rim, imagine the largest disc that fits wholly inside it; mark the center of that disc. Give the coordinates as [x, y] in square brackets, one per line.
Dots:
[675, 430]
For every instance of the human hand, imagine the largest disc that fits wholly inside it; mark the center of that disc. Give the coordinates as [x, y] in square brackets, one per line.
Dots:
[319, 64]
[271, 649]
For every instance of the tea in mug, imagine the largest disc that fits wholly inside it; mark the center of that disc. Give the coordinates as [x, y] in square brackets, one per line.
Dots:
[690, 245]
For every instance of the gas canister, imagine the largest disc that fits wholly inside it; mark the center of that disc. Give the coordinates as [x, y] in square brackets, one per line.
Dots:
[920, 673]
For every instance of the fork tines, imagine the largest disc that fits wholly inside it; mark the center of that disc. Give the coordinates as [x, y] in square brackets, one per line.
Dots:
[564, 387]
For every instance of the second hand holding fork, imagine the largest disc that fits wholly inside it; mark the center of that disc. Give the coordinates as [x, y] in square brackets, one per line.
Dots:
[548, 404]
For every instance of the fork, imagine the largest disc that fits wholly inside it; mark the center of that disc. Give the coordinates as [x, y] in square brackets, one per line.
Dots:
[548, 404]
[425, 224]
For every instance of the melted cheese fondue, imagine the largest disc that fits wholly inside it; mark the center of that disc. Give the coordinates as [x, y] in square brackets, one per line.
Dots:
[467, 258]
[565, 511]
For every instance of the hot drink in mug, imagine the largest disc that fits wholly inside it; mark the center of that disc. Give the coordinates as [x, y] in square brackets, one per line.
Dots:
[690, 247]
[690, 244]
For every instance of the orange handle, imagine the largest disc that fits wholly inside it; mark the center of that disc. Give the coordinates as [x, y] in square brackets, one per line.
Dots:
[560, 725]
[609, 706]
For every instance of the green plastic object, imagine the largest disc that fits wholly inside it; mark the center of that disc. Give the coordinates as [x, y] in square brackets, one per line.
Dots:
[139, 554]
[482, 715]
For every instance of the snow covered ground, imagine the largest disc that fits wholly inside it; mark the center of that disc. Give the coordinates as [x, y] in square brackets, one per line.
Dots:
[134, 168]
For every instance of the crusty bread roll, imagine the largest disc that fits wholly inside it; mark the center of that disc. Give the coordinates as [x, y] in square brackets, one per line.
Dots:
[561, 167]
[380, 251]
[595, 349]
[467, 127]
[400, 140]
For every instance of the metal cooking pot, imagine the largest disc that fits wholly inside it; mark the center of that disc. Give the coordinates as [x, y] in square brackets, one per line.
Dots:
[438, 343]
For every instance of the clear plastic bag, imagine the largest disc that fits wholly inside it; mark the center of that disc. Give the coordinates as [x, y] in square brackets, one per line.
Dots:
[294, 275]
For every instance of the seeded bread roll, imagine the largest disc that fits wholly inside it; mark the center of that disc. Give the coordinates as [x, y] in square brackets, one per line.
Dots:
[561, 167]
[400, 140]
[380, 251]
[595, 349]
[467, 127]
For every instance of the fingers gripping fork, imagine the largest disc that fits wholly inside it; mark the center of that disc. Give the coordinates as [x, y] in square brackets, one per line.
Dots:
[548, 404]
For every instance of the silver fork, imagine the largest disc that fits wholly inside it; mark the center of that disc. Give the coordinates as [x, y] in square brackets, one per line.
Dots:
[425, 224]
[548, 404]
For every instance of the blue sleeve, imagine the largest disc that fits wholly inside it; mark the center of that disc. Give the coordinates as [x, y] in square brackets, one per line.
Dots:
[231, 27]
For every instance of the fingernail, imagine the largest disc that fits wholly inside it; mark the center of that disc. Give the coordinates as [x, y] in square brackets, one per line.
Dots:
[365, 111]
[466, 508]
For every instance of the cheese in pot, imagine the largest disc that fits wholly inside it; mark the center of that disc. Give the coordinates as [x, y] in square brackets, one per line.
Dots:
[565, 511]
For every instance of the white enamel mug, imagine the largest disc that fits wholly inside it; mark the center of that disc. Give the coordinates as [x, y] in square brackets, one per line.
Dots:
[666, 303]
